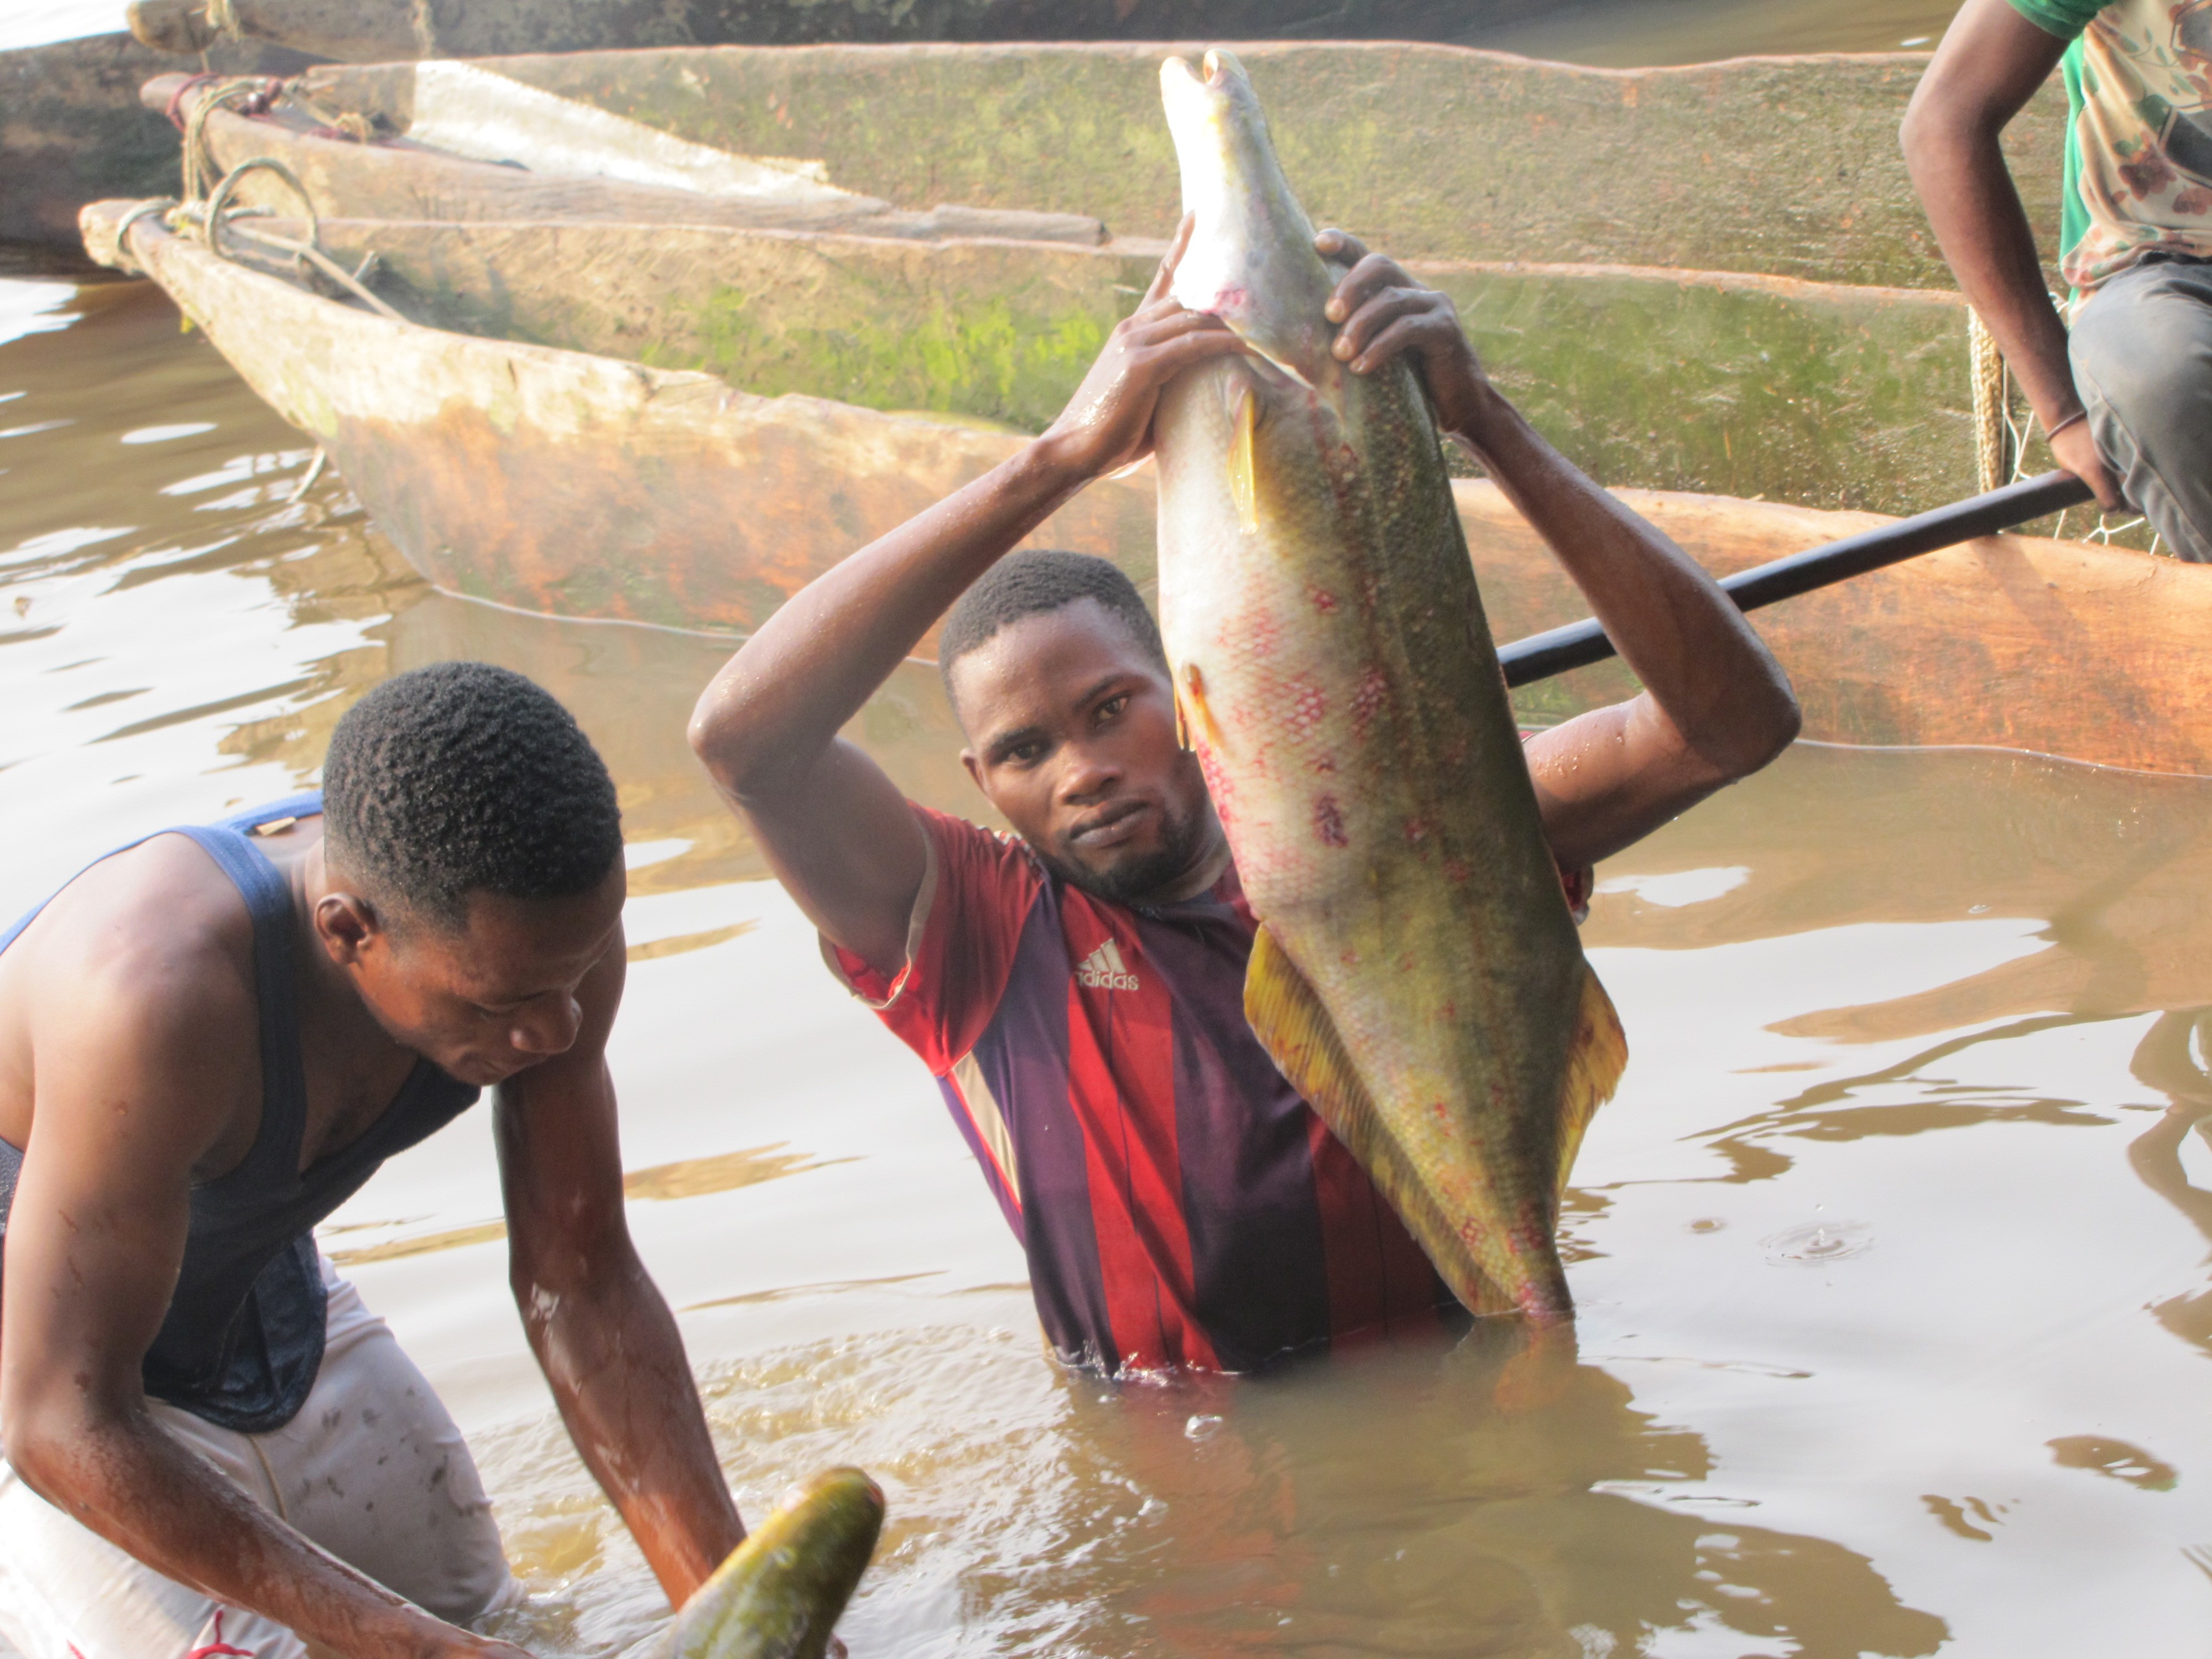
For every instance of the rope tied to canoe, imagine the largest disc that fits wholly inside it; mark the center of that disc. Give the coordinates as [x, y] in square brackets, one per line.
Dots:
[241, 94]
[216, 219]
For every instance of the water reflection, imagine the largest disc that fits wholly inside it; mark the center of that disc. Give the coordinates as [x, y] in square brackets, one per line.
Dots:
[2171, 1060]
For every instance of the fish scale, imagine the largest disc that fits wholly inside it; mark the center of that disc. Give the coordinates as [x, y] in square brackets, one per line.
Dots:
[1417, 975]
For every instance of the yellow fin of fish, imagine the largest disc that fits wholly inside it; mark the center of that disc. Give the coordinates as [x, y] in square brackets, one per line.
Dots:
[1287, 1016]
[1595, 1062]
[1243, 464]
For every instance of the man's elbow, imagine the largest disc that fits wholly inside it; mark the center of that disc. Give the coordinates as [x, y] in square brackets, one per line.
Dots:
[45, 1440]
[1760, 735]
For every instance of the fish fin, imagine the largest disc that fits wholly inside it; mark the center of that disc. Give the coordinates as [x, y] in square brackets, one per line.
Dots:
[1287, 1014]
[1595, 1060]
[1244, 463]
[1191, 713]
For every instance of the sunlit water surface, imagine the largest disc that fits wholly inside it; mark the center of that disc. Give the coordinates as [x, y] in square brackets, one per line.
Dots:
[1891, 1253]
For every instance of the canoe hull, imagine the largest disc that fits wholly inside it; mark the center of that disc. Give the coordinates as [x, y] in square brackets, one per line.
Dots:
[577, 485]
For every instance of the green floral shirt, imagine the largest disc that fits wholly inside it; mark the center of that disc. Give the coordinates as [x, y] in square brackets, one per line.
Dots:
[2139, 141]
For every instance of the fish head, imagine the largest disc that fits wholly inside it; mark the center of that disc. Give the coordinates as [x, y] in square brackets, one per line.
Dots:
[1251, 259]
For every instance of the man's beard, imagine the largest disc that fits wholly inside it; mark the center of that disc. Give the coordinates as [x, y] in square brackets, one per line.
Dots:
[1133, 881]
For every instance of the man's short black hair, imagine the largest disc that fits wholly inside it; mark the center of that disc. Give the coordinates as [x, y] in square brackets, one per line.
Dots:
[1030, 583]
[463, 778]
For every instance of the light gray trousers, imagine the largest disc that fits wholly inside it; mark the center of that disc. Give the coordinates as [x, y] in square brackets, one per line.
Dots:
[372, 1468]
[2141, 349]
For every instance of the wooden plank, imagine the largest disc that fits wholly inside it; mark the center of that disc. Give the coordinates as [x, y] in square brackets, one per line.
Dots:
[580, 485]
[1782, 166]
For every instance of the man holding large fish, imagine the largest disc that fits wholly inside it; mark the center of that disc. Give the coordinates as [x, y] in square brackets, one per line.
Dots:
[1269, 1026]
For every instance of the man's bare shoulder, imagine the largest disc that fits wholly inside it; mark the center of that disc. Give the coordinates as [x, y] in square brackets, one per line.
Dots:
[138, 972]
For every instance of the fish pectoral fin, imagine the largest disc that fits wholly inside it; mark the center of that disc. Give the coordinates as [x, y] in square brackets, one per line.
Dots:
[1595, 1059]
[1287, 1016]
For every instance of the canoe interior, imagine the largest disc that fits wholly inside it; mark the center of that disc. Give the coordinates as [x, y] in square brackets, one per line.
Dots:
[1783, 167]
[1810, 393]
[576, 485]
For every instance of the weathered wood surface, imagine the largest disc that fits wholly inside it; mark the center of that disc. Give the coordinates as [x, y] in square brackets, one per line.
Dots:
[72, 130]
[366, 31]
[575, 485]
[1810, 393]
[1787, 167]
[390, 180]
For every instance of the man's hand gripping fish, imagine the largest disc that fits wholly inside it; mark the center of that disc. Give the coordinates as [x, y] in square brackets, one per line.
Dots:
[1416, 976]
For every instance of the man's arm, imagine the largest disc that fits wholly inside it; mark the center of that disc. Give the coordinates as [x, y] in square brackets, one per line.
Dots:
[601, 1330]
[1716, 706]
[1989, 66]
[836, 829]
[127, 1103]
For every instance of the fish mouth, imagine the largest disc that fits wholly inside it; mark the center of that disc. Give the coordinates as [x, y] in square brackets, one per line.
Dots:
[1110, 826]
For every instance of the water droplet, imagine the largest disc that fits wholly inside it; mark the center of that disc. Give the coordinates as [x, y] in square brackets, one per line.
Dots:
[1817, 1243]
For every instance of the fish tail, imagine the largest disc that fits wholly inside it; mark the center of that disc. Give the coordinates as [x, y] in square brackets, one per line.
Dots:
[1287, 1015]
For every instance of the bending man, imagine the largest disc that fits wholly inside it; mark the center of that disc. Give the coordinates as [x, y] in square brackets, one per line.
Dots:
[1077, 987]
[208, 1042]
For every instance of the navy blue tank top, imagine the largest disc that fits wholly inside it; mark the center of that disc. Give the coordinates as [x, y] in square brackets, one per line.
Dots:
[243, 1337]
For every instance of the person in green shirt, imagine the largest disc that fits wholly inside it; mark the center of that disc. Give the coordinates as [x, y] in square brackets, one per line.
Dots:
[2126, 397]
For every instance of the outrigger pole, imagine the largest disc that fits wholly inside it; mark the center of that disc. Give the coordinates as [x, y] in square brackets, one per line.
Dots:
[1579, 644]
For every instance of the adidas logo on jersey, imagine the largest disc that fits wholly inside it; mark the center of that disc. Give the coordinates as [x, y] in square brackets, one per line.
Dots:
[1104, 970]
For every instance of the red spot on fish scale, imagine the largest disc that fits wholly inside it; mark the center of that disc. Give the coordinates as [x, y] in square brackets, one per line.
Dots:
[1417, 831]
[1456, 871]
[1306, 707]
[1323, 600]
[1368, 698]
[1328, 823]
[1326, 763]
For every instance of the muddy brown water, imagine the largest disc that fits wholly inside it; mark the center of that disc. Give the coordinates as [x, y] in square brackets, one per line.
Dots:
[1894, 1253]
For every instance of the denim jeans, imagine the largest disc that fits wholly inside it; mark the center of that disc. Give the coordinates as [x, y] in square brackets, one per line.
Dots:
[2142, 351]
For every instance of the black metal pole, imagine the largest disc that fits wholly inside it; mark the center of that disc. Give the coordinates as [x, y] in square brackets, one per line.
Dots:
[1579, 644]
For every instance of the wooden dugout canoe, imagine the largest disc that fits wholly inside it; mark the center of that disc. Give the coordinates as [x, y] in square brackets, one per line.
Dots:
[1779, 166]
[361, 31]
[1820, 393]
[1810, 393]
[72, 131]
[578, 484]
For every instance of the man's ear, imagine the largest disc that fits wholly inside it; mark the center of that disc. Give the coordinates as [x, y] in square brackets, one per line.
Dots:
[974, 769]
[347, 925]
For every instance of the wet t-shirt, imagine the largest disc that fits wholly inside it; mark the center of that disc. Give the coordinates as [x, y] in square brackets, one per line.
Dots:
[2139, 131]
[1179, 1202]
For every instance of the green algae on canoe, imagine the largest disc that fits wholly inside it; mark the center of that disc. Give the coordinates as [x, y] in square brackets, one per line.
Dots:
[578, 484]
[1780, 166]
[1815, 394]
[361, 31]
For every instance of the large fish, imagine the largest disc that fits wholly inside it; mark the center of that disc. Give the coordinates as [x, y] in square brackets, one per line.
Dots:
[780, 1592]
[1417, 977]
